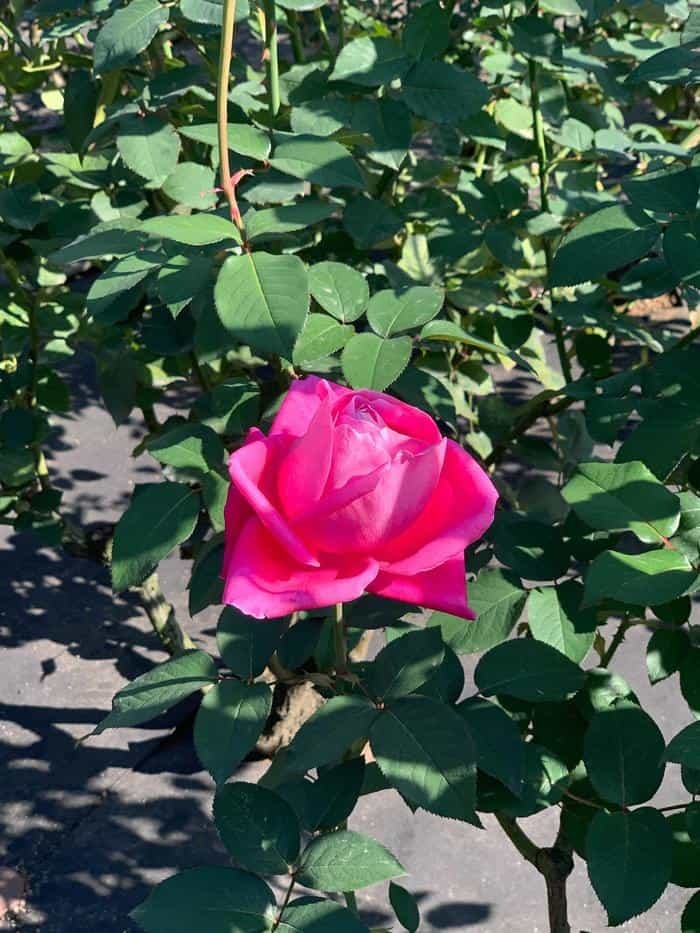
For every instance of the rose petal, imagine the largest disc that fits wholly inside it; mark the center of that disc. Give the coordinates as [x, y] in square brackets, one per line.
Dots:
[443, 588]
[303, 471]
[302, 402]
[403, 418]
[459, 511]
[247, 466]
[262, 581]
[400, 494]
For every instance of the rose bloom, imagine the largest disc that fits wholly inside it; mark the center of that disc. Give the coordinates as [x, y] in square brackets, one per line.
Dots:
[350, 492]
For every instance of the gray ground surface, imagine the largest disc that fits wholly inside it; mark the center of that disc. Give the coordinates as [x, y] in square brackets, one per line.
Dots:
[94, 826]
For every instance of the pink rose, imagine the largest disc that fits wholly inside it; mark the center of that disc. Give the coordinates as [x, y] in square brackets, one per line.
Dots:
[350, 492]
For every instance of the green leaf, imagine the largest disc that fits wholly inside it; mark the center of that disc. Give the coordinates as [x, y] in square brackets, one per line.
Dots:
[665, 651]
[244, 139]
[639, 579]
[232, 901]
[528, 670]
[288, 217]
[345, 861]
[231, 407]
[406, 663]
[534, 550]
[555, 617]
[126, 33]
[114, 293]
[325, 737]
[443, 93]
[404, 904]
[229, 723]
[574, 134]
[191, 184]
[262, 300]
[427, 32]
[623, 752]
[148, 147]
[79, 106]
[369, 221]
[690, 919]
[679, 65]
[500, 750]
[388, 122]
[370, 62]
[673, 190]
[684, 748]
[425, 750]
[497, 597]
[339, 289]
[623, 497]
[545, 779]
[116, 238]
[192, 230]
[629, 861]
[601, 242]
[682, 250]
[687, 538]
[685, 870]
[370, 362]
[245, 644]
[453, 333]
[158, 689]
[309, 914]
[334, 794]
[392, 312]
[20, 206]
[321, 161]
[189, 447]
[258, 827]
[160, 516]
[322, 335]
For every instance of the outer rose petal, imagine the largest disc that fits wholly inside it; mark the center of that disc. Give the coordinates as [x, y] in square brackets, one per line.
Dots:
[443, 588]
[301, 403]
[262, 581]
[247, 467]
[458, 513]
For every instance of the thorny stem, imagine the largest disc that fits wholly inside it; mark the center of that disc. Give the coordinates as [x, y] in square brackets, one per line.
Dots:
[543, 176]
[287, 896]
[225, 54]
[555, 864]
[271, 60]
[162, 617]
[617, 640]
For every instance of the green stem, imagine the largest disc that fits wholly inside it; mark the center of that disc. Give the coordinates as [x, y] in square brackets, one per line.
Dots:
[323, 31]
[543, 169]
[351, 901]
[273, 74]
[295, 37]
[200, 375]
[339, 642]
[617, 640]
[225, 55]
[341, 25]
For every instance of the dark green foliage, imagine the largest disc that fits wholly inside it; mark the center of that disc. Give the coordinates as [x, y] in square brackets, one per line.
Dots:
[426, 201]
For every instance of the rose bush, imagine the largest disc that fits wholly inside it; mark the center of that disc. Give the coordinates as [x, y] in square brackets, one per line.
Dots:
[350, 491]
[478, 216]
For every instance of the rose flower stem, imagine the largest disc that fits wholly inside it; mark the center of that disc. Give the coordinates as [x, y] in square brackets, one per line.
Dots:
[225, 54]
[341, 648]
